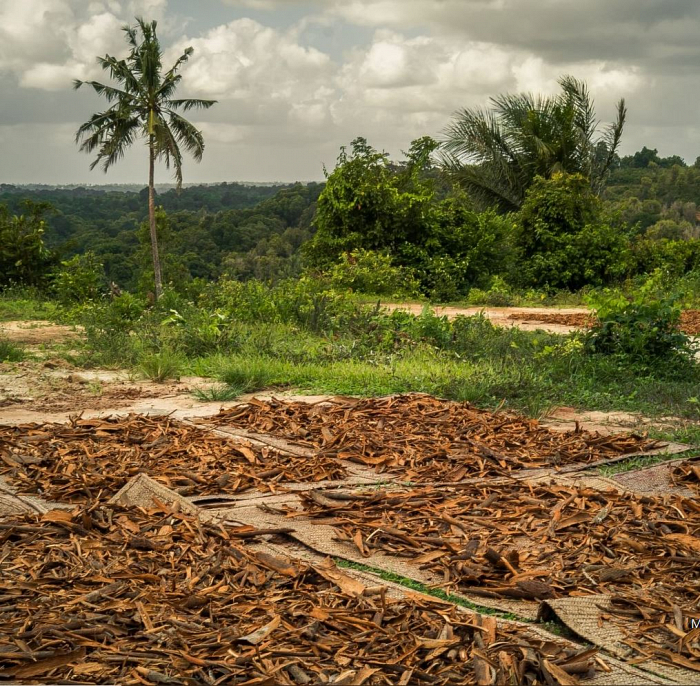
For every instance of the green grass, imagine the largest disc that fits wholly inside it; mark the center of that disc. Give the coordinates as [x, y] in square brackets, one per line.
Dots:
[10, 352]
[161, 366]
[26, 305]
[218, 393]
[526, 383]
[413, 585]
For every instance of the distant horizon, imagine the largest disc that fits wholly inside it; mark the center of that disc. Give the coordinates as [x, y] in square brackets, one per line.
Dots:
[169, 186]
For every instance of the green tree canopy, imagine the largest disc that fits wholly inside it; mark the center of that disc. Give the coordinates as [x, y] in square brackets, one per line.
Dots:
[372, 204]
[24, 259]
[563, 237]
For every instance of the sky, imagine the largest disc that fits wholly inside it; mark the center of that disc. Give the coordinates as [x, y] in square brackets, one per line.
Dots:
[296, 80]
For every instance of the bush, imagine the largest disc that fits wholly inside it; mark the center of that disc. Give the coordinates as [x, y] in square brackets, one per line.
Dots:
[161, 366]
[373, 273]
[24, 258]
[644, 331]
[677, 257]
[564, 241]
[80, 279]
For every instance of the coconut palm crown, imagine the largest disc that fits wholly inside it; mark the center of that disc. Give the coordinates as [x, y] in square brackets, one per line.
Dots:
[142, 106]
[496, 154]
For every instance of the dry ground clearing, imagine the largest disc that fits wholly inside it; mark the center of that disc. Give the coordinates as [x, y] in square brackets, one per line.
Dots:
[261, 545]
[559, 320]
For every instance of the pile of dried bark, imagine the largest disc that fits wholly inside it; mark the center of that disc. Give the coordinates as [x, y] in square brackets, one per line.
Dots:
[690, 322]
[690, 319]
[151, 597]
[426, 439]
[542, 541]
[93, 458]
[579, 319]
[687, 474]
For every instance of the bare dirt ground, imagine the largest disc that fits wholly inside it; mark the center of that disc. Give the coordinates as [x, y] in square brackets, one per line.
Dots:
[53, 390]
[504, 316]
[37, 332]
[566, 419]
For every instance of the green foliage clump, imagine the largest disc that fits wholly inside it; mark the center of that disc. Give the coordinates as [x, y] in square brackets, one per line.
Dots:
[10, 352]
[676, 257]
[373, 273]
[80, 279]
[563, 238]
[161, 366]
[373, 205]
[24, 258]
[642, 331]
[367, 204]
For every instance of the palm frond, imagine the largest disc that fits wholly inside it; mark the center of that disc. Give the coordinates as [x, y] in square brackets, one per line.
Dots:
[187, 135]
[191, 104]
[167, 149]
[496, 154]
[142, 105]
[109, 92]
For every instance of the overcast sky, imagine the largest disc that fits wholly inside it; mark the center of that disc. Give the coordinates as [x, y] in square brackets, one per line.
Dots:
[296, 80]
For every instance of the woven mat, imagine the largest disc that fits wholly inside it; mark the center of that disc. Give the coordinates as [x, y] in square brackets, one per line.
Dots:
[585, 617]
[314, 543]
[142, 491]
[12, 504]
[654, 480]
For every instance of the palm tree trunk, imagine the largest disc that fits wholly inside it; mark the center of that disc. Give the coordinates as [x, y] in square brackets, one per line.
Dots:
[152, 220]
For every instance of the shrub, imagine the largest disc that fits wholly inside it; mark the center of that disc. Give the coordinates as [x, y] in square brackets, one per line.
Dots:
[161, 366]
[80, 279]
[373, 273]
[564, 241]
[643, 331]
[677, 257]
[24, 258]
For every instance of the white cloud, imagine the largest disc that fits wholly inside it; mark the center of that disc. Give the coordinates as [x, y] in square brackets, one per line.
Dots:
[244, 59]
[286, 105]
[47, 43]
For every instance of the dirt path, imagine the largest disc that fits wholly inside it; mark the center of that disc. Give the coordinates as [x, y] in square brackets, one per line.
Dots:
[504, 316]
[37, 332]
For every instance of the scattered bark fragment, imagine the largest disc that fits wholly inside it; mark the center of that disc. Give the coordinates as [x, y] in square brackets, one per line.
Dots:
[195, 608]
[687, 474]
[92, 459]
[425, 439]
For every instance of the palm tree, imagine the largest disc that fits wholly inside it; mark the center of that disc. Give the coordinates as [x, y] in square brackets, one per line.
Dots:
[142, 106]
[496, 154]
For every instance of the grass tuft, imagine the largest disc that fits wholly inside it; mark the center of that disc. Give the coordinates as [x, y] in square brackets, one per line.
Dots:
[218, 393]
[10, 352]
[161, 366]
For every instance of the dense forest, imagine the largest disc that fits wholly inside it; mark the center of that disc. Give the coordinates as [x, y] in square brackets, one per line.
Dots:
[244, 231]
[530, 196]
[248, 232]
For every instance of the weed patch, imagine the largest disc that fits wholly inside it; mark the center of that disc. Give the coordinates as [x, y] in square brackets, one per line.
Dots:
[161, 366]
[10, 352]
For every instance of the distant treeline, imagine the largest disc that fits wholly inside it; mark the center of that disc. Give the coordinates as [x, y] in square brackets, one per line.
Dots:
[246, 231]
